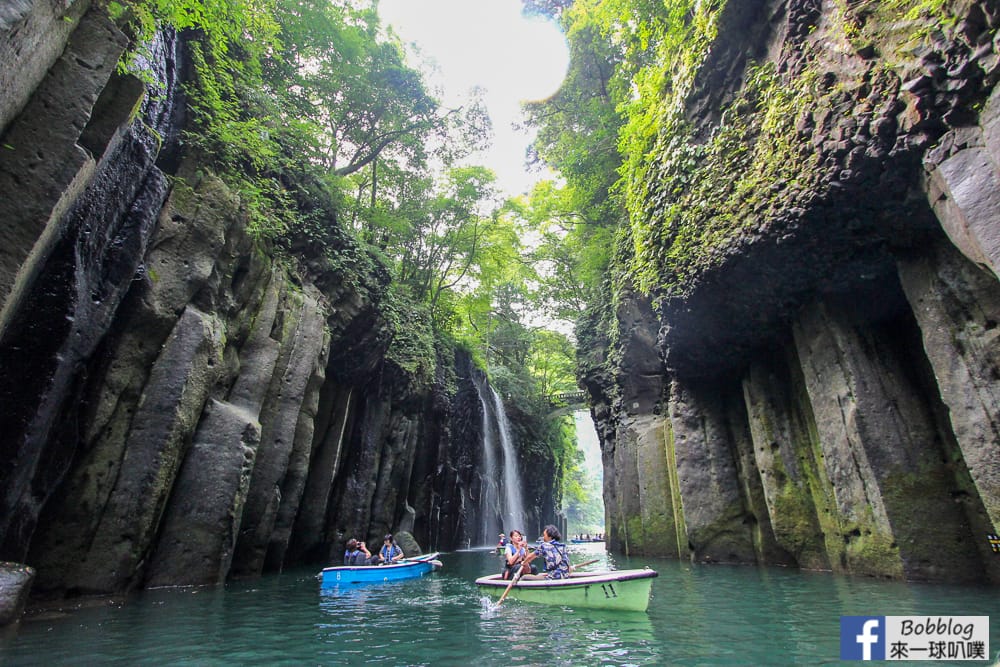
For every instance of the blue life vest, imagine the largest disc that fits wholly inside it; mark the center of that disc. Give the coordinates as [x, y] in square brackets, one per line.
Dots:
[388, 552]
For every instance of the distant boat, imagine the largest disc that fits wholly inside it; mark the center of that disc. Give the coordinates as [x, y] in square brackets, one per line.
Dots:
[408, 568]
[577, 540]
[626, 590]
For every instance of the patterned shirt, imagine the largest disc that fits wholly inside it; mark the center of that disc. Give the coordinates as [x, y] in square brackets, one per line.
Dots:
[556, 561]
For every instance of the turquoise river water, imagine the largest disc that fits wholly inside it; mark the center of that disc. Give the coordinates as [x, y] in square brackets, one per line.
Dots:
[698, 615]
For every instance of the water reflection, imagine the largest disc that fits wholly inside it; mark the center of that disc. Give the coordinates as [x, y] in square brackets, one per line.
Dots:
[698, 615]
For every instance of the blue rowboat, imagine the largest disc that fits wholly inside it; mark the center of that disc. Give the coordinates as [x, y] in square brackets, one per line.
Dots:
[408, 568]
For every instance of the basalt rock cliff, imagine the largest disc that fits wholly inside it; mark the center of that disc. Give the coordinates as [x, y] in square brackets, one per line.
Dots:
[180, 407]
[821, 387]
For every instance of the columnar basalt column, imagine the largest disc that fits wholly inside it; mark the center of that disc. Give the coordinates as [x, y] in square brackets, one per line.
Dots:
[171, 405]
[642, 512]
[333, 420]
[957, 307]
[705, 457]
[786, 453]
[882, 452]
[292, 386]
[43, 168]
[199, 529]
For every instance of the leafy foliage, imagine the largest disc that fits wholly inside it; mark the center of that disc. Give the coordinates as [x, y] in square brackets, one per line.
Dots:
[412, 348]
[248, 23]
[342, 154]
[689, 194]
[647, 201]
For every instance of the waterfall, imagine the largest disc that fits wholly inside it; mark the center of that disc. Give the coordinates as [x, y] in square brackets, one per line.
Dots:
[498, 512]
[514, 514]
[489, 495]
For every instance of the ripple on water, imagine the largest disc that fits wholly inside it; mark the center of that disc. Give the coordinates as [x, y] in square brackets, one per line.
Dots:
[697, 616]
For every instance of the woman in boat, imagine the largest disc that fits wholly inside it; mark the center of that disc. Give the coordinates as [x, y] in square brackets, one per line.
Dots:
[554, 552]
[357, 553]
[390, 552]
[514, 554]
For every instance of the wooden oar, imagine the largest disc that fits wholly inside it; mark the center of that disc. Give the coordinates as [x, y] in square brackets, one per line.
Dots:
[520, 571]
[513, 580]
[589, 562]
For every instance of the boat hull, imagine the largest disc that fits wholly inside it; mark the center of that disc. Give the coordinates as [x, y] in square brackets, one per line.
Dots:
[411, 568]
[622, 589]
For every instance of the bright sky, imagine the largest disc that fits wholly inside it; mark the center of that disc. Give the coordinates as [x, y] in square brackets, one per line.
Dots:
[588, 442]
[487, 43]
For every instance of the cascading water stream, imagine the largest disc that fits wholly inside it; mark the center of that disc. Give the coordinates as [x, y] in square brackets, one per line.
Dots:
[489, 496]
[498, 512]
[514, 514]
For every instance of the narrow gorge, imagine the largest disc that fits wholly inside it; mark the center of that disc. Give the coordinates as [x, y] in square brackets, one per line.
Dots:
[794, 359]
[182, 404]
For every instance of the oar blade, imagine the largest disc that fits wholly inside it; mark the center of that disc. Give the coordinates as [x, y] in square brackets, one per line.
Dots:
[513, 580]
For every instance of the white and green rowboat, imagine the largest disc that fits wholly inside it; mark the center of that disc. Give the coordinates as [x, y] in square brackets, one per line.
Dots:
[618, 589]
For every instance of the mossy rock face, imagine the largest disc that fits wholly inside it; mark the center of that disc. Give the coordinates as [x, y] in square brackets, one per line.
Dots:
[634, 533]
[653, 534]
[936, 541]
[793, 517]
[407, 543]
[805, 154]
[657, 530]
[872, 554]
[677, 503]
[726, 540]
[868, 548]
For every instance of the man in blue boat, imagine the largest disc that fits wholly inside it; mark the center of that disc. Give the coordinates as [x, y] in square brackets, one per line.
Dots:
[390, 552]
[357, 553]
[554, 552]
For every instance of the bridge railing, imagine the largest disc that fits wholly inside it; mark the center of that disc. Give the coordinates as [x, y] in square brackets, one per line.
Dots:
[568, 397]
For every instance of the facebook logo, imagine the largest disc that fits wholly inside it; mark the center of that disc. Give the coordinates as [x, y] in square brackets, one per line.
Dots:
[862, 637]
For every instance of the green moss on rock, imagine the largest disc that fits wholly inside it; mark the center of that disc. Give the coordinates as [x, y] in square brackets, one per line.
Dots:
[793, 517]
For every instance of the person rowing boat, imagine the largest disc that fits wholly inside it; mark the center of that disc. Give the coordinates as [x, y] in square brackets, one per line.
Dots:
[557, 565]
[553, 551]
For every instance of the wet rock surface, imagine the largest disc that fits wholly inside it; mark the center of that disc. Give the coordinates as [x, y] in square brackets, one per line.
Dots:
[823, 386]
[181, 408]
